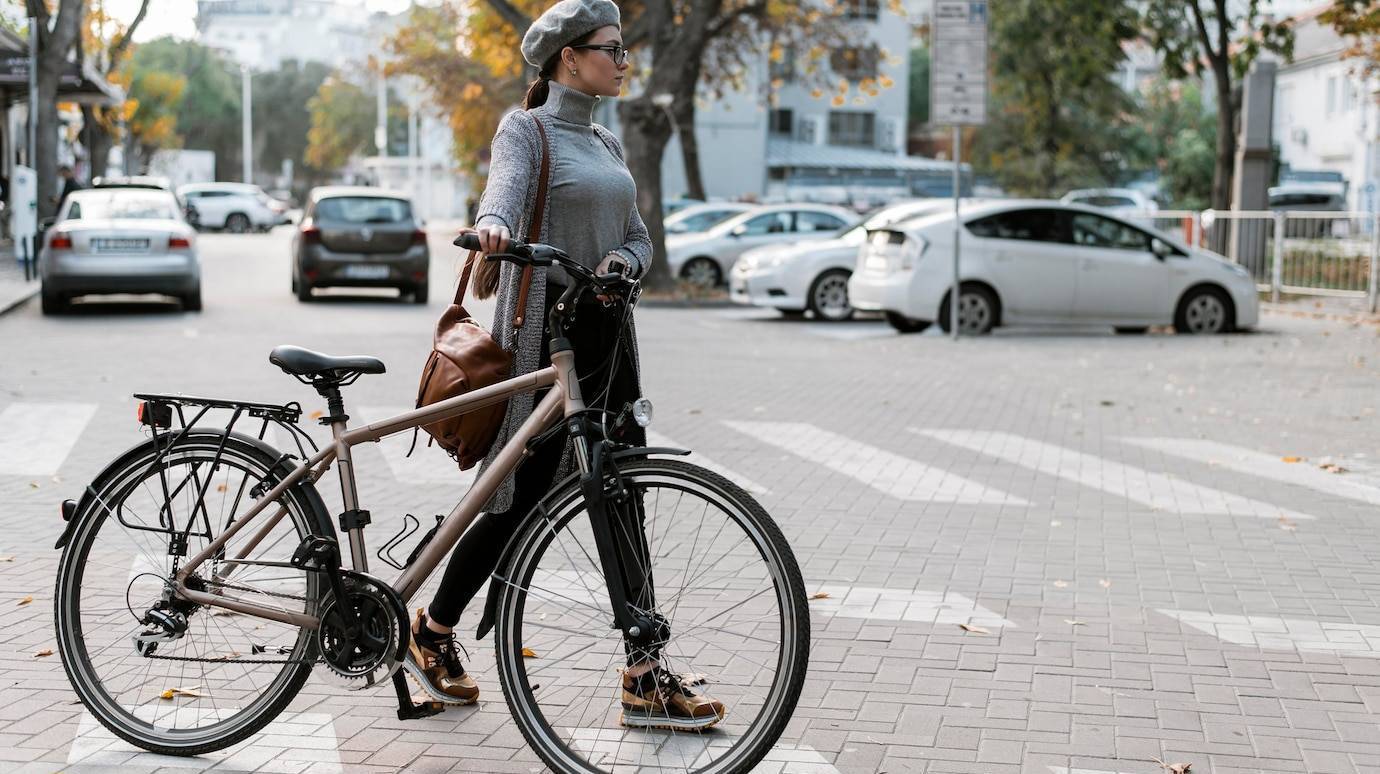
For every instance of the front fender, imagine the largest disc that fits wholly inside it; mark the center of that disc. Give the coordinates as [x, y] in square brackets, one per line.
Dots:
[486, 622]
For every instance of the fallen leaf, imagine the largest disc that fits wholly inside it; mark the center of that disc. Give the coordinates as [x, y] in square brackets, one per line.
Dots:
[693, 679]
[1108, 403]
[315, 414]
[1061, 584]
[1332, 467]
[191, 691]
[1104, 583]
[33, 484]
[529, 653]
[820, 595]
[1173, 768]
[1056, 523]
[974, 628]
[1286, 525]
[1291, 460]
[44, 652]
[6, 558]
[25, 601]
[1072, 622]
[220, 487]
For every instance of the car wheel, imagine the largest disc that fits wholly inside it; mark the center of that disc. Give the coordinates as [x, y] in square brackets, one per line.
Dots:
[294, 282]
[420, 292]
[1136, 331]
[303, 289]
[51, 303]
[702, 272]
[192, 301]
[977, 311]
[237, 223]
[905, 324]
[829, 296]
[1203, 311]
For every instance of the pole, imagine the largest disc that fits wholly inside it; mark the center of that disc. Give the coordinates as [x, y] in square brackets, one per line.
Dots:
[1374, 291]
[1277, 270]
[412, 146]
[246, 126]
[958, 227]
[32, 159]
[381, 123]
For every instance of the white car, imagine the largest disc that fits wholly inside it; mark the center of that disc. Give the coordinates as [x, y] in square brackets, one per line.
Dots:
[1123, 202]
[813, 276]
[1043, 262]
[234, 207]
[699, 218]
[705, 259]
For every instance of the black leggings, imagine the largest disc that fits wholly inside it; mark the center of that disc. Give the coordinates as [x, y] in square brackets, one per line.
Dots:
[593, 335]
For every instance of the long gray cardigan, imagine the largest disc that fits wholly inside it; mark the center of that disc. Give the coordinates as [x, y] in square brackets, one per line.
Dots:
[510, 195]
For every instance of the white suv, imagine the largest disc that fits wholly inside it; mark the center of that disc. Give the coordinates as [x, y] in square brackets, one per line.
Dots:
[234, 207]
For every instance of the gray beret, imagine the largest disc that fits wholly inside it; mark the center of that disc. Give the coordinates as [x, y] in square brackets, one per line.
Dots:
[563, 24]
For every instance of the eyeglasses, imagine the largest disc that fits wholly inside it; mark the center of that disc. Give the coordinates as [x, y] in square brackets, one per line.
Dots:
[617, 53]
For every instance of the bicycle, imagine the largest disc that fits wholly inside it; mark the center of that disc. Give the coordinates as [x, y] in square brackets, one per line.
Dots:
[213, 629]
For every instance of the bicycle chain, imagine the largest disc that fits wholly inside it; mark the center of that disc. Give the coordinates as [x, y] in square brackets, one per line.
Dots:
[224, 660]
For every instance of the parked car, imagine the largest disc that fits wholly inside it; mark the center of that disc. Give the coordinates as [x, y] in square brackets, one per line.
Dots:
[705, 259]
[670, 207]
[359, 237]
[1123, 202]
[119, 240]
[813, 275]
[189, 213]
[1310, 197]
[1047, 262]
[234, 207]
[699, 218]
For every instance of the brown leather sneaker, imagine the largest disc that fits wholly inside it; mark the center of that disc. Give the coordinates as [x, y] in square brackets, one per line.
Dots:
[433, 663]
[659, 699]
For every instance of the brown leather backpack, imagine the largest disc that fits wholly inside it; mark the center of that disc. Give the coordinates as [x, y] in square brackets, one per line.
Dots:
[465, 357]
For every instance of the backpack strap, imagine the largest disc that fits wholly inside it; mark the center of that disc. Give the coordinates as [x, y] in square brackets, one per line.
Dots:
[533, 234]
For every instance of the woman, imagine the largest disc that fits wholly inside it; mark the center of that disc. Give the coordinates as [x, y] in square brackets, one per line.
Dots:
[590, 211]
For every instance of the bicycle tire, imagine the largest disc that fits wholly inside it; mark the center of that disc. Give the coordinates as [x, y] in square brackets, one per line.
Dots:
[563, 505]
[308, 514]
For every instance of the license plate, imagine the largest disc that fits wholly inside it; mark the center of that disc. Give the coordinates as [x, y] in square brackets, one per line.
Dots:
[366, 271]
[119, 245]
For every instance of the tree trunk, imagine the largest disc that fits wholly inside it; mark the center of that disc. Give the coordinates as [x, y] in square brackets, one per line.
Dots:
[96, 139]
[690, 149]
[1226, 141]
[54, 46]
[646, 131]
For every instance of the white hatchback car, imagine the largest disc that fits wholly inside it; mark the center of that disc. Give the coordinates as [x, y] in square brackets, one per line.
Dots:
[1042, 262]
[813, 275]
[234, 207]
[705, 259]
[699, 218]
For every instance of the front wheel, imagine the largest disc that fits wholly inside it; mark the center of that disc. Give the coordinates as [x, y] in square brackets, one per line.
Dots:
[701, 555]
[829, 296]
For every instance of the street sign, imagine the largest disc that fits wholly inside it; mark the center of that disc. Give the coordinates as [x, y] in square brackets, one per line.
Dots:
[958, 62]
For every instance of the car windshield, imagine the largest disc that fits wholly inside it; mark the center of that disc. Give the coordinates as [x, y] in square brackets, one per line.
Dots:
[124, 203]
[363, 209]
[694, 222]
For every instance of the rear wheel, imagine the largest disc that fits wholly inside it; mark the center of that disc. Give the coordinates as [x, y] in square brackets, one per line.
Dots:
[829, 296]
[717, 571]
[420, 293]
[192, 301]
[977, 311]
[905, 324]
[50, 302]
[702, 272]
[302, 288]
[237, 223]
[212, 677]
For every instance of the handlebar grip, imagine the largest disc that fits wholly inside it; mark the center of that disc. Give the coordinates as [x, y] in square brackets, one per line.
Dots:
[468, 240]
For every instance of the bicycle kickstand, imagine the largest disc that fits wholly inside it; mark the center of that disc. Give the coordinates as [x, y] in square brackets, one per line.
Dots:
[409, 710]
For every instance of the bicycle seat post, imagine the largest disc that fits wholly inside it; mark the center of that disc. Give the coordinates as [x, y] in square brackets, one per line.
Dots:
[352, 518]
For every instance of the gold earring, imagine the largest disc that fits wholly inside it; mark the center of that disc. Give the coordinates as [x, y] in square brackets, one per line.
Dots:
[573, 71]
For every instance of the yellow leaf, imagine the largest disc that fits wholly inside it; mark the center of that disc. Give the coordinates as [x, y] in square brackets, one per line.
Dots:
[886, 82]
[168, 694]
[817, 93]
[315, 414]
[820, 595]
[974, 628]
[220, 487]
[777, 53]
[44, 652]
[838, 101]
[529, 653]
[25, 601]
[1291, 459]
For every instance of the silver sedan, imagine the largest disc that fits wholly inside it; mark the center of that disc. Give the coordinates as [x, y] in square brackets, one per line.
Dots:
[119, 240]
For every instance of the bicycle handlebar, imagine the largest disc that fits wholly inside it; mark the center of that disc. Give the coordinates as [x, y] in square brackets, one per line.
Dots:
[536, 254]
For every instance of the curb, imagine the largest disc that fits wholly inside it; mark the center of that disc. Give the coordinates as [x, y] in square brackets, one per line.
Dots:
[15, 303]
[678, 303]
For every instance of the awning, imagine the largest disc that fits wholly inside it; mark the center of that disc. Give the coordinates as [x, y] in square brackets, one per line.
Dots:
[80, 82]
[782, 152]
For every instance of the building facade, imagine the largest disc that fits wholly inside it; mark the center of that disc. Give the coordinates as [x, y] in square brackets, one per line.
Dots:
[260, 34]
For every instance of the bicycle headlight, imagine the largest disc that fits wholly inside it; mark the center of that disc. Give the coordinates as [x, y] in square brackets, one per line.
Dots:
[642, 412]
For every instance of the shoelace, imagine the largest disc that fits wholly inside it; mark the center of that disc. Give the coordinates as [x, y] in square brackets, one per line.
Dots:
[445, 647]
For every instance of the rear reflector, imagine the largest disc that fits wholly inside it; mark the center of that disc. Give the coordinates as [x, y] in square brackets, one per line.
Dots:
[177, 243]
[60, 241]
[155, 414]
[311, 235]
[69, 507]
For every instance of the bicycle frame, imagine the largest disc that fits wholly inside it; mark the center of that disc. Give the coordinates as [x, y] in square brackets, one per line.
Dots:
[564, 399]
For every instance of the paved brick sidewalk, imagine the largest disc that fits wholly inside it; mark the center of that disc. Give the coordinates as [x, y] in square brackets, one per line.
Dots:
[14, 289]
[1144, 529]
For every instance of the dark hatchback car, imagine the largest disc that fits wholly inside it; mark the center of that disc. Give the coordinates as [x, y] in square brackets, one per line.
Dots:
[359, 237]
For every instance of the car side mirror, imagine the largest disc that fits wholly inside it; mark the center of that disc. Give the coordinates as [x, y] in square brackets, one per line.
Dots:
[739, 230]
[1161, 249]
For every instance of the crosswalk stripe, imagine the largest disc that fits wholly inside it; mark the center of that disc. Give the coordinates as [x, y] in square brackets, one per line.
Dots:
[936, 607]
[1300, 634]
[617, 749]
[427, 465]
[657, 439]
[35, 438]
[1155, 490]
[292, 742]
[1256, 463]
[891, 474]
[1067, 770]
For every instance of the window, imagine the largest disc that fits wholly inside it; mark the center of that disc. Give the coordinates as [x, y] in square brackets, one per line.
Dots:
[1029, 225]
[806, 220]
[771, 223]
[852, 128]
[363, 209]
[74, 211]
[782, 121]
[862, 9]
[1331, 95]
[856, 64]
[135, 205]
[1097, 231]
[785, 69]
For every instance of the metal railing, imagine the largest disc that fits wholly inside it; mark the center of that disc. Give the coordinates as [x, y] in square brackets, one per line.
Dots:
[1298, 251]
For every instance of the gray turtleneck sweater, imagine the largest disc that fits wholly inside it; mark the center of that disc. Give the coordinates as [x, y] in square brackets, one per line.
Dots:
[591, 209]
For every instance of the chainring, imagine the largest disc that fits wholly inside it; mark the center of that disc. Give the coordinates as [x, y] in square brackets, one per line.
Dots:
[373, 650]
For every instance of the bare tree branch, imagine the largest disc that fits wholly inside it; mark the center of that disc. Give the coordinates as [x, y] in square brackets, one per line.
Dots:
[121, 45]
[756, 8]
[515, 18]
[1203, 34]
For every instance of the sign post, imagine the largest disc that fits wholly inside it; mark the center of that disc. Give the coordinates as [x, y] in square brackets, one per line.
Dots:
[958, 95]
